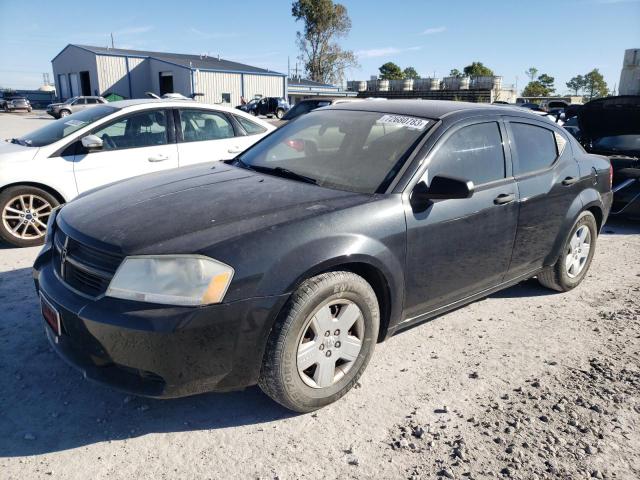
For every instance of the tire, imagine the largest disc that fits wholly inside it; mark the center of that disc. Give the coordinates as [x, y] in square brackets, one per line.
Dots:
[64, 113]
[253, 112]
[328, 301]
[38, 205]
[279, 113]
[563, 277]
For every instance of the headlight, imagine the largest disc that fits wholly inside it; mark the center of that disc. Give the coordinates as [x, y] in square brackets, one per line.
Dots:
[189, 280]
[51, 224]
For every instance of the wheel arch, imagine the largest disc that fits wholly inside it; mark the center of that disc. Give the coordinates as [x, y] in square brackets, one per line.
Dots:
[588, 200]
[51, 191]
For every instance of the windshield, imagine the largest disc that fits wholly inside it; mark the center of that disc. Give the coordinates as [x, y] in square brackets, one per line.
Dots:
[305, 107]
[348, 150]
[618, 143]
[65, 126]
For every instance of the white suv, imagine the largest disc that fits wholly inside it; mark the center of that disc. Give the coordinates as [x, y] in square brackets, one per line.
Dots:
[107, 143]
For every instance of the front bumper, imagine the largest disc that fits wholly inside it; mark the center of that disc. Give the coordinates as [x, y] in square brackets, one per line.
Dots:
[158, 350]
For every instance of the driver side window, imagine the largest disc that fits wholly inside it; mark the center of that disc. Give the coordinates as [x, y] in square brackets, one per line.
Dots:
[471, 153]
[144, 129]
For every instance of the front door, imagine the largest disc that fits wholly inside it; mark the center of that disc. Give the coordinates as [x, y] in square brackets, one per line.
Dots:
[138, 143]
[207, 135]
[459, 247]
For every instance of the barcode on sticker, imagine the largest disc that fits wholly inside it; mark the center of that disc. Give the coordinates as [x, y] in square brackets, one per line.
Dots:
[401, 120]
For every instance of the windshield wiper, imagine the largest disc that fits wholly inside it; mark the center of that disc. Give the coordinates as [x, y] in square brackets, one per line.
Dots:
[282, 172]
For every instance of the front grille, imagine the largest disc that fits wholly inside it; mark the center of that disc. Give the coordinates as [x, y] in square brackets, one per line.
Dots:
[86, 269]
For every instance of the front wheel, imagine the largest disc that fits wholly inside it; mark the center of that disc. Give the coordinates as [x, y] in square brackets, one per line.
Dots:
[25, 212]
[577, 254]
[322, 342]
[65, 113]
[279, 113]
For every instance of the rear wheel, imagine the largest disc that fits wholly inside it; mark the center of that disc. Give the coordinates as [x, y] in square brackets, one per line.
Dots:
[24, 213]
[573, 264]
[280, 113]
[64, 113]
[322, 342]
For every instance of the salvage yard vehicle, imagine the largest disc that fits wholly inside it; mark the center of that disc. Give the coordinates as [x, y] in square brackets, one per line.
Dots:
[73, 105]
[611, 126]
[286, 265]
[309, 104]
[268, 106]
[106, 143]
[11, 104]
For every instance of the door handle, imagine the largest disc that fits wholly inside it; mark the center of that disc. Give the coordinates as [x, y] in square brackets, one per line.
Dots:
[504, 198]
[569, 181]
[158, 158]
[235, 150]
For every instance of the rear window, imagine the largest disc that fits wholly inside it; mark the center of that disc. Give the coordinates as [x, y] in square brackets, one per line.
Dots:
[250, 127]
[535, 147]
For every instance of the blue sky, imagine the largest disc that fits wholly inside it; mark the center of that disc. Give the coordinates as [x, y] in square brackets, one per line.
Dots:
[559, 37]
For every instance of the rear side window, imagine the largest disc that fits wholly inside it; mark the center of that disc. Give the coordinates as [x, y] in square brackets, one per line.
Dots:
[203, 125]
[250, 127]
[472, 153]
[535, 147]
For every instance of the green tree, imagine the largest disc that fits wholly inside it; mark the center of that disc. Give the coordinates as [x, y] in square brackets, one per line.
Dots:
[531, 72]
[594, 85]
[410, 72]
[324, 22]
[456, 73]
[547, 81]
[535, 89]
[391, 71]
[477, 69]
[576, 84]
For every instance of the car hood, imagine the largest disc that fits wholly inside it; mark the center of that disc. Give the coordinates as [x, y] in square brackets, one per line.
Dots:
[12, 152]
[209, 204]
[55, 104]
[610, 116]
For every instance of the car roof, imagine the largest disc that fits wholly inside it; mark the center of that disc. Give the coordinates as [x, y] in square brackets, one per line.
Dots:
[434, 109]
[170, 102]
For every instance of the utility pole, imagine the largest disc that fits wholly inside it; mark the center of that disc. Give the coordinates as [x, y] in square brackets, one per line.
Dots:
[112, 40]
[288, 66]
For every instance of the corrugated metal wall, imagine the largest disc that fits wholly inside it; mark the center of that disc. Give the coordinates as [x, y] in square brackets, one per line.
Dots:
[112, 75]
[214, 84]
[265, 85]
[139, 72]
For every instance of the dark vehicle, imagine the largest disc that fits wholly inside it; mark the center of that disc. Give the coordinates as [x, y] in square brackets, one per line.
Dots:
[611, 126]
[531, 106]
[286, 265]
[11, 104]
[268, 106]
[310, 104]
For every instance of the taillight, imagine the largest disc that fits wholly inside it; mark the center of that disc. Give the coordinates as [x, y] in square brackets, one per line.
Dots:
[610, 176]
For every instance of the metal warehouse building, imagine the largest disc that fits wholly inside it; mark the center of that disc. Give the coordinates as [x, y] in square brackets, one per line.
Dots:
[87, 70]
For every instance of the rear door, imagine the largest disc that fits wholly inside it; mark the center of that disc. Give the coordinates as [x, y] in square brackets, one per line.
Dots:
[548, 179]
[206, 135]
[458, 247]
[134, 144]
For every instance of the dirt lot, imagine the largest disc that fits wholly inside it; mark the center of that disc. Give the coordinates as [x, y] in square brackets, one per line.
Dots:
[524, 384]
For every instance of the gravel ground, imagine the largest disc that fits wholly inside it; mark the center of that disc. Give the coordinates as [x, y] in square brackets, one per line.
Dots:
[524, 384]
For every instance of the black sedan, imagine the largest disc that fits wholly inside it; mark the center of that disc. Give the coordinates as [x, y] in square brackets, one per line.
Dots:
[285, 266]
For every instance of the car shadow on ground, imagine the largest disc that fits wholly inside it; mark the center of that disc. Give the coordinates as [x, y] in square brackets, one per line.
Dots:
[621, 226]
[46, 405]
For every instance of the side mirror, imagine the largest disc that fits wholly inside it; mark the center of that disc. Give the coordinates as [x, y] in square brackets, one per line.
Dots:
[441, 188]
[92, 143]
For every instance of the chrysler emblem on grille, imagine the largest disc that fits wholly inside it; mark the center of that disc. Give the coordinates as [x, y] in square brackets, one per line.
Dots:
[63, 256]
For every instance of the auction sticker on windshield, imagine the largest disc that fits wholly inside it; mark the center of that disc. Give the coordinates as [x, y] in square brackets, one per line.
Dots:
[404, 121]
[74, 123]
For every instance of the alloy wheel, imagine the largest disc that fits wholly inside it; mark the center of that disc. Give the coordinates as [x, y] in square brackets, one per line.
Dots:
[578, 252]
[26, 216]
[330, 344]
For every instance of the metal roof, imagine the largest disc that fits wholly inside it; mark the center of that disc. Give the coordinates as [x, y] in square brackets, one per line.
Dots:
[201, 62]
